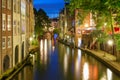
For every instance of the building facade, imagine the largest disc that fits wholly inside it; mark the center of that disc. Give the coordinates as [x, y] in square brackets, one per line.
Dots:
[16, 32]
[16, 27]
[6, 34]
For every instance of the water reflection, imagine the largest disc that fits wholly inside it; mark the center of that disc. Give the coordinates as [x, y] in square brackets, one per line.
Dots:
[109, 74]
[43, 51]
[85, 71]
[59, 62]
[77, 65]
[65, 64]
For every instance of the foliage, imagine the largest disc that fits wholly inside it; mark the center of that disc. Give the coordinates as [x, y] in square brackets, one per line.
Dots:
[35, 42]
[41, 20]
[100, 35]
[56, 31]
[103, 12]
[117, 37]
[102, 9]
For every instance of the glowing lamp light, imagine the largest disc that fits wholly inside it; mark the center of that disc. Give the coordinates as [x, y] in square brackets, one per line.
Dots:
[110, 42]
[34, 35]
[105, 24]
[31, 39]
[86, 25]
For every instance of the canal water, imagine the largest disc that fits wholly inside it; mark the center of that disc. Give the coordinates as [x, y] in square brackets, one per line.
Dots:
[59, 62]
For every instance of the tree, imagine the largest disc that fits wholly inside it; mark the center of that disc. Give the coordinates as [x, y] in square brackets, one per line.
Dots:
[41, 21]
[56, 31]
[103, 11]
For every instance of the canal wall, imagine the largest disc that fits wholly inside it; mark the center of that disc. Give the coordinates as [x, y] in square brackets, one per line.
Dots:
[108, 60]
[9, 74]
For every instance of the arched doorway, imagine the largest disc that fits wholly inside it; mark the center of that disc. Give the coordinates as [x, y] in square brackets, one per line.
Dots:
[22, 50]
[6, 63]
[16, 54]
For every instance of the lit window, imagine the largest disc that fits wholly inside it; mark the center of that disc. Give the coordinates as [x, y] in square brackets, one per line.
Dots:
[3, 42]
[15, 6]
[3, 3]
[9, 22]
[9, 41]
[9, 4]
[14, 28]
[3, 22]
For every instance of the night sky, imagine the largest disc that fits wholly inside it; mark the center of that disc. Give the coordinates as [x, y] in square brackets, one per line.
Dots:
[51, 7]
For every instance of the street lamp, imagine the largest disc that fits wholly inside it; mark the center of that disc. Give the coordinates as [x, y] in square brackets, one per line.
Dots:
[86, 25]
[31, 39]
[110, 43]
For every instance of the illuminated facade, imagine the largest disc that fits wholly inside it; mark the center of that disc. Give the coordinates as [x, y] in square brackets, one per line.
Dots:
[66, 23]
[6, 35]
[16, 26]
[84, 26]
[16, 32]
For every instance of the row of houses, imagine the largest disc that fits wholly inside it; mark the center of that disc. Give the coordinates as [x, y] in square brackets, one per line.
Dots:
[77, 31]
[16, 27]
[72, 28]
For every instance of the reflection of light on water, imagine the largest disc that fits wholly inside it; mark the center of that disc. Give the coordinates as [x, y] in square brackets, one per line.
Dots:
[53, 48]
[72, 52]
[45, 51]
[50, 45]
[41, 50]
[79, 53]
[79, 42]
[68, 50]
[41, 45]
[85, 71]
[103, 77]
[77, 64]
[65, 63]
[109, 74]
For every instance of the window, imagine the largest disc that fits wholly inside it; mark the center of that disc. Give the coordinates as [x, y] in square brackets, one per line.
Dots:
[18, 6]
[15, 6]
[3, 42]
[14, 28]
[3, 3]
[9, 41]
[3, 22]
[9, 23]
[9, 4]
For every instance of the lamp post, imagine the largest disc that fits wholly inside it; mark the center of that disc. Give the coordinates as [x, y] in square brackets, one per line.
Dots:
[110, 43]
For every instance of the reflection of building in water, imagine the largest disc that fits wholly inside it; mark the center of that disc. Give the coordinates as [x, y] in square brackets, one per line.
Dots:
[25, 74]
[86, 71]
[78, 65]
[43, 51]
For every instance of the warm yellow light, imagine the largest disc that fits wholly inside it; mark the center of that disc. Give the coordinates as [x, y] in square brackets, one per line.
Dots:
[110, 42]
[31, 39]
[109, 74]
[86, 25]
[105, 24]
[85, 71]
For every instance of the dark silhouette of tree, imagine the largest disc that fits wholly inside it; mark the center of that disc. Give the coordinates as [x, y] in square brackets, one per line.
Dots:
[41, 21]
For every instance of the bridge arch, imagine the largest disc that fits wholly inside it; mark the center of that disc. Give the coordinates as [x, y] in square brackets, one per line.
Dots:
[6, 63]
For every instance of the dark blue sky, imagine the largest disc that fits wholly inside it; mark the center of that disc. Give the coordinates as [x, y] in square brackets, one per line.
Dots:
[51, 7]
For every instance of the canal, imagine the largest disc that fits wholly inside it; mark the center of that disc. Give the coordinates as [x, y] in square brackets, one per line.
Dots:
[59, 62]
